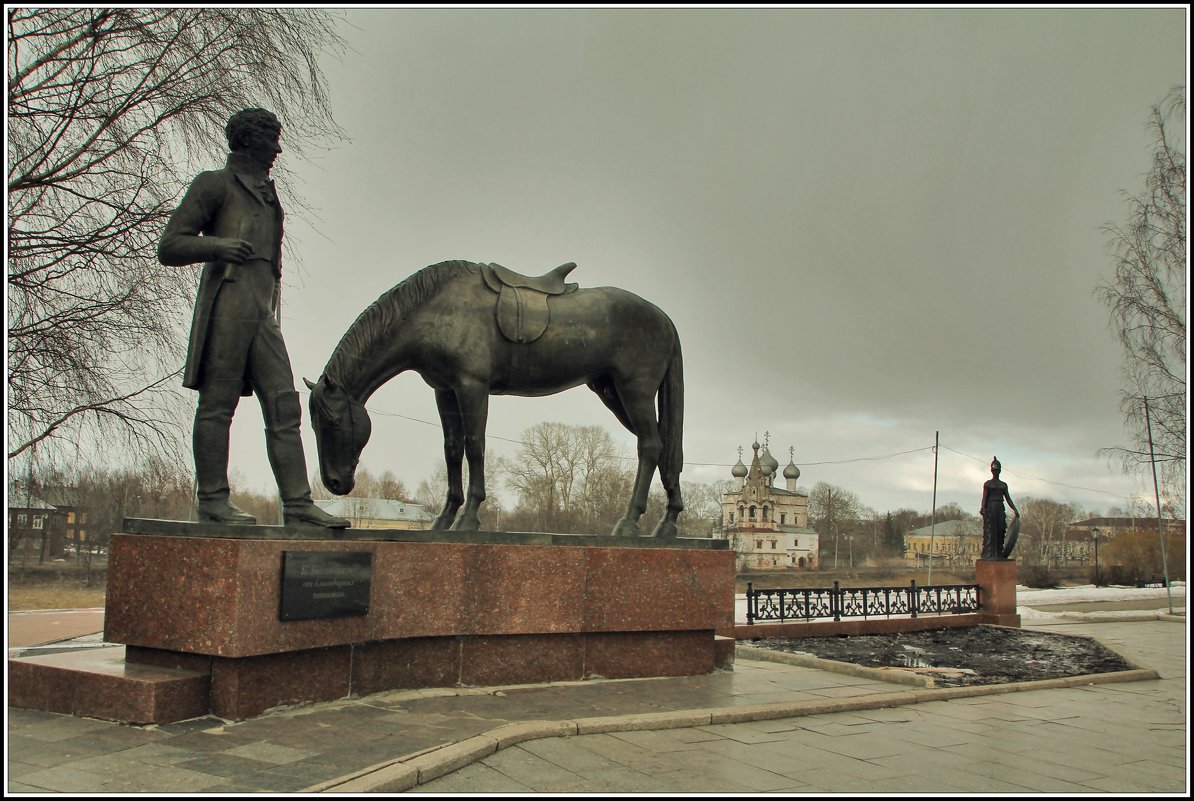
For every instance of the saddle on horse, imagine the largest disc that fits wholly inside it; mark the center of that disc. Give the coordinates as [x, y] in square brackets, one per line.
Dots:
[522, 313]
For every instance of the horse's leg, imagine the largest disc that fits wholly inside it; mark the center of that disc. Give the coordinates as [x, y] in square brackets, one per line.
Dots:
[671, 431]
[449, 415]
[639, 402]
[666, 527]
[474, 410]
[604, 389]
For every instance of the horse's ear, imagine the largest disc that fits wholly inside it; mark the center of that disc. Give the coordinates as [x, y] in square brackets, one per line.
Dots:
[308, 383]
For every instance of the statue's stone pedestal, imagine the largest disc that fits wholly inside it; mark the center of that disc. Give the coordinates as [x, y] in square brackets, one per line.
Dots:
[996, 579]
[200, 618]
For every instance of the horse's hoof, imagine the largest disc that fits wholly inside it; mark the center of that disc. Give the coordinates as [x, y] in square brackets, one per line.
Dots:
[625, 528]
[442, 524]
[467, 524]
[666, 530]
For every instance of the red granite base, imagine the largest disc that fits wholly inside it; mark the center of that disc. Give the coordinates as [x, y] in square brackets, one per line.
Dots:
[997, 581]
[99, 683]
[244, 687]
[440, 614]
[221, 597]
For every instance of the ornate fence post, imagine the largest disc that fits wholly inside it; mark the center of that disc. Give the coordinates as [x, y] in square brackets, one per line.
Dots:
[750, 604]
[835, 601]
[913, 599]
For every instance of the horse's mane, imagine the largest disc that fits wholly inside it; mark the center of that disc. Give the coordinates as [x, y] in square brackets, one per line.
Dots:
[389, 309]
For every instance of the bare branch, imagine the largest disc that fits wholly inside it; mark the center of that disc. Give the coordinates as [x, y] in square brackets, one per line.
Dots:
[1146, 297]
[109, 109]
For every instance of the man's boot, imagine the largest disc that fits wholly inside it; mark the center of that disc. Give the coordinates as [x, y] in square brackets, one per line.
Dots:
[213, 418]
[284, 446]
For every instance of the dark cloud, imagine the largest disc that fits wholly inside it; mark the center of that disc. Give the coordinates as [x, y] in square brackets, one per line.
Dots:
[869, 225]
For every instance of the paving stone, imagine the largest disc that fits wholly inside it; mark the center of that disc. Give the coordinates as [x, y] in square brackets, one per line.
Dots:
[475, 778]
[531, 770]
[666, 740]
[560, 751]
[160, 753]
[195, 724]
[270, 752]
[225, 765]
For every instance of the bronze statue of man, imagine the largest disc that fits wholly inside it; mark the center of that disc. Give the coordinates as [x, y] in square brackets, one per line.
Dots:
[995, 492]
[231, 221]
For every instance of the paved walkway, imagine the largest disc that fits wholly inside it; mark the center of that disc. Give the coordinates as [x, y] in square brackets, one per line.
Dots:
[39, 626]
[762, 727]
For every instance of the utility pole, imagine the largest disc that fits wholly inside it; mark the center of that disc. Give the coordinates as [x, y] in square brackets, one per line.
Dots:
[933, 516]
[1157, 495]
[829, 523]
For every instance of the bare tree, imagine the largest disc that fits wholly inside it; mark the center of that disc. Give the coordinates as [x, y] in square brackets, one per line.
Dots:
[430, 492]
[570, 479]
[1043, 522]
[834, 512]
[702, 509]
[1146, 297]
[390, 487]
[109, 110]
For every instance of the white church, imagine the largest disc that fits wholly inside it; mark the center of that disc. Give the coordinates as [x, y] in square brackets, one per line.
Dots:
[766, 525]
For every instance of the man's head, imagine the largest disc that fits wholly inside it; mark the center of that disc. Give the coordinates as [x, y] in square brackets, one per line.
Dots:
[996, 466]
[255, 132]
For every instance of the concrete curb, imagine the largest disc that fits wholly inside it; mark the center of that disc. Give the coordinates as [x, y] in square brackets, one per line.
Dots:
[416, 769]
[833, 666]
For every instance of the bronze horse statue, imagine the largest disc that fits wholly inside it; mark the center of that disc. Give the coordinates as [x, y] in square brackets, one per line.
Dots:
[475, 330]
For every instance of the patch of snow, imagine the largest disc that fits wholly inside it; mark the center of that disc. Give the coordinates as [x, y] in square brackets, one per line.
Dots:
[1089, 593]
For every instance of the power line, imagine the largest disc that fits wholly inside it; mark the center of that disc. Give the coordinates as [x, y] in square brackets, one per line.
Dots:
[806, 464]
[1043, 480]
[686, 464]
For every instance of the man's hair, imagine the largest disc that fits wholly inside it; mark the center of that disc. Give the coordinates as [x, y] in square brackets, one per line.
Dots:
[243, 122]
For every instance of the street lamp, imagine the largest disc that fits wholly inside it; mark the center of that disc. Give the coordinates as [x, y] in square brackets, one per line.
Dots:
[1094, 534]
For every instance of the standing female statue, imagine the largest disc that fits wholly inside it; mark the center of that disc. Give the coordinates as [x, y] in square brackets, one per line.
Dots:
[995, 492]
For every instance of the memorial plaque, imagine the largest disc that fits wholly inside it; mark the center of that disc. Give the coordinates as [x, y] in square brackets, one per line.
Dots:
[322, 584]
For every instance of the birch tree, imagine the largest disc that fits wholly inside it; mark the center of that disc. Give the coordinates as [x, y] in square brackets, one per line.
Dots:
[111, 112]
[1147, 297]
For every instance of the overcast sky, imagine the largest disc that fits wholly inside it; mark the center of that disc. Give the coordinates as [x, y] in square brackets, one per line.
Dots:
[868, 225]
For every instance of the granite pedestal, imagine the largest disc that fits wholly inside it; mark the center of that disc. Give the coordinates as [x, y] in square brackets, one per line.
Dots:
[443, 610]
[997, 580]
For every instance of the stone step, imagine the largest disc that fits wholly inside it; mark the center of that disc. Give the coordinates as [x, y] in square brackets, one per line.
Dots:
[98, 683]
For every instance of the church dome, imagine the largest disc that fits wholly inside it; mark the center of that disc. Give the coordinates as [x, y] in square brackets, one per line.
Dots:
[791, 471]
[739, 470]
[769, 463]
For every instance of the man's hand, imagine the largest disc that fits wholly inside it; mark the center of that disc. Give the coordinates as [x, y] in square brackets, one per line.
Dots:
[231, 251]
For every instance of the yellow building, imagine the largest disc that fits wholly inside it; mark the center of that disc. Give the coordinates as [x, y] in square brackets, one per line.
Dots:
[950, 541]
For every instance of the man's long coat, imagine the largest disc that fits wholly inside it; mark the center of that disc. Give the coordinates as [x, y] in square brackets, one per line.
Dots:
[225, 203]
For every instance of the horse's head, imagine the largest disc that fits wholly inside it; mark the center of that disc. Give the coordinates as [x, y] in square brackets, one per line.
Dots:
[342, 428]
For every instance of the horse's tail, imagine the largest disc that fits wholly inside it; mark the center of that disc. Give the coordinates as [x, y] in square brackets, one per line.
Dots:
[671, 418]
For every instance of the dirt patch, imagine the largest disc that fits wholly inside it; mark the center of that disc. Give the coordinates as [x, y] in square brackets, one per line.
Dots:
[65, 584]
[54, 596]
[965, 656]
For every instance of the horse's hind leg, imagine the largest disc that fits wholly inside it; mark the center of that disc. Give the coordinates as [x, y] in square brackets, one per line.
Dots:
[667, 524]
[604, 389]
[449, 415]
[640, 413]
